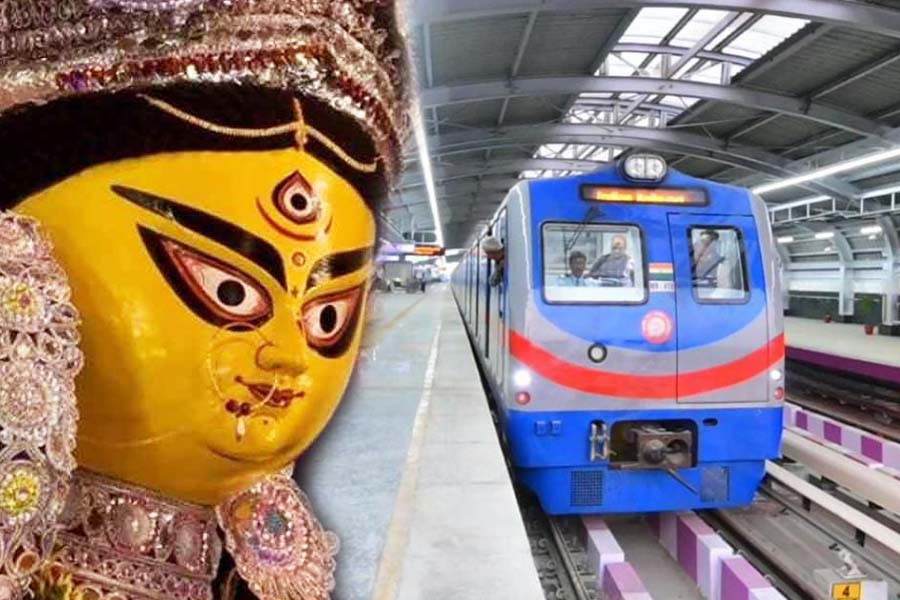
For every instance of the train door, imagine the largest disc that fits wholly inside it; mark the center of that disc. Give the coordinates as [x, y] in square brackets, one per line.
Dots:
[470, 261]
[488, 264]
[476, 289]
[498, 324]
[721, 308]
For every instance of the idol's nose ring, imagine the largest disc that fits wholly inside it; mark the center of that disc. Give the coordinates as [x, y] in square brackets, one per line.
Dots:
[270, 357]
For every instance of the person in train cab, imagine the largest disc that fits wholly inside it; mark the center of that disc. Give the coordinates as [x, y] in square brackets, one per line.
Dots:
[576, 275]
[707, 259]
[493, 249]
[188, 212]
[615, 267]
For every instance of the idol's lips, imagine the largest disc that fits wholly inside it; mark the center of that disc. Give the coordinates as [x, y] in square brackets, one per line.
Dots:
[276, 398]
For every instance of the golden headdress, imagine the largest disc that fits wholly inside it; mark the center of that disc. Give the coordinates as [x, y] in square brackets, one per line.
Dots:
[346, 53]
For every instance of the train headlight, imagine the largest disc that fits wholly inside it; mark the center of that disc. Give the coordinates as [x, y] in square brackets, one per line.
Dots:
[645, 167]
[776, 374]
[522, 378]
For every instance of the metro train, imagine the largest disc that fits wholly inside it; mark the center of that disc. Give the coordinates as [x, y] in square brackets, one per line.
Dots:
[629, 324]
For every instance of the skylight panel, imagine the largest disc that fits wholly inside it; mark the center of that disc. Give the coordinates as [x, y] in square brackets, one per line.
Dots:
[677, 101]
[616, 67]
[651, 25]
[549, 150]
[764, 35]
[697, 27]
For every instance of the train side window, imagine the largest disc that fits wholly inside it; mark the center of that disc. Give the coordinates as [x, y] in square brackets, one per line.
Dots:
[718, 267]
[598, 263]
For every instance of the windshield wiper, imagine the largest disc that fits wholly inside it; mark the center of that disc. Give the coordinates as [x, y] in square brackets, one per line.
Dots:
[590, 215]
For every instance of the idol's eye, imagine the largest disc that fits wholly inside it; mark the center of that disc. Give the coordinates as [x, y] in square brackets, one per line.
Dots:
[328, 321]
[214, 290]
[295, 199]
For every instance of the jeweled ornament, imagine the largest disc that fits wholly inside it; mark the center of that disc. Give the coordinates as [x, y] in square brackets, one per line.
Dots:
[22, 491]
[36, 401]
[277, 543]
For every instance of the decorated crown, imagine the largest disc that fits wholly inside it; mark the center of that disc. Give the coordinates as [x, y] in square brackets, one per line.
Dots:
[347, 53]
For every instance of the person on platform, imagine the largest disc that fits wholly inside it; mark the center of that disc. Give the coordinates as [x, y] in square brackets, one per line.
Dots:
[616, 267]
[188, 202]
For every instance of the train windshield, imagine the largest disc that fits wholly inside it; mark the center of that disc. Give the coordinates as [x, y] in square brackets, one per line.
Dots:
[593, 263]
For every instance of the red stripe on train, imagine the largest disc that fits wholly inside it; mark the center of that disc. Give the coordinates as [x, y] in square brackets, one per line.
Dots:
[627, 385]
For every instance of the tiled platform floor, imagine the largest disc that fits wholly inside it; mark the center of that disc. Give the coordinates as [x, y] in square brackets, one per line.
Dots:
[409, 472]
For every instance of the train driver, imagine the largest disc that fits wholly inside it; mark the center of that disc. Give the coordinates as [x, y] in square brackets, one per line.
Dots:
[707, 259]
[576, 276]
[615, 267]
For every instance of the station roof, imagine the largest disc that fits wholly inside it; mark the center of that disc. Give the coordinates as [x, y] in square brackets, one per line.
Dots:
[512, 89]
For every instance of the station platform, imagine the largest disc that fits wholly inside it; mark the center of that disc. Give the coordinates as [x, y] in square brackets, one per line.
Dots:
[410, 474]
[843, 347]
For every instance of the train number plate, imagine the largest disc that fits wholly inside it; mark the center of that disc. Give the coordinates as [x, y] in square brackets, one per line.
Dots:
[846, 591]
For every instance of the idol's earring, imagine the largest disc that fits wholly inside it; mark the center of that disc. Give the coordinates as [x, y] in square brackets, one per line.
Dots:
[39, 358]
[278, 545]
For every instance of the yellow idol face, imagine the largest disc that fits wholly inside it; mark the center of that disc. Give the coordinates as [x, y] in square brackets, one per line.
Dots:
[222, 298]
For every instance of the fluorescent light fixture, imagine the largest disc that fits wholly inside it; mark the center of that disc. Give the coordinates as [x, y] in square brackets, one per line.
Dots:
[840, 167]
[824, 235]
[427, 176]
[870, 229]
[785, 239]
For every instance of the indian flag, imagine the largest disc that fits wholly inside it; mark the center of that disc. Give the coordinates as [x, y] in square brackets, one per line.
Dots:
[662, 272]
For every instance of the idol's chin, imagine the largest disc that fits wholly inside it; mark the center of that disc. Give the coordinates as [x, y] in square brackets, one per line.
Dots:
[263, 444]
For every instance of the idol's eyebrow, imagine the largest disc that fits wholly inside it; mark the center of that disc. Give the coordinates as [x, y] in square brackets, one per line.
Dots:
[256, 249]
[334, 265]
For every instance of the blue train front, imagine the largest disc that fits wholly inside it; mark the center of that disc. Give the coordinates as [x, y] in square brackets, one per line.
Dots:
[629, 322]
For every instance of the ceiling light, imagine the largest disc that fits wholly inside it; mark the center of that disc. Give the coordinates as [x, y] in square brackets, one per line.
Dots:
[840, 167]
[824, 235]
[870, 229]
[785, 239]
[427, 176]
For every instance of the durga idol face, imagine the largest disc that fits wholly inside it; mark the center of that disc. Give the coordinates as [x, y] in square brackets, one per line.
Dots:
[221, 295]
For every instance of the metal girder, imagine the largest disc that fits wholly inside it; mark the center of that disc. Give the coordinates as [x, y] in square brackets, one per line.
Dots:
[845, 260]
[609, 103]
[668, 140]
[832, 155]
[685, 58]
[520, 54]
[844, 13]
[445, 173]
[769, 101]
[679, 51]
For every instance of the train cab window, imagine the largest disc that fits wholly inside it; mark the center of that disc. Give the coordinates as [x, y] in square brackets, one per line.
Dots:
[593, 263]
[717, 264]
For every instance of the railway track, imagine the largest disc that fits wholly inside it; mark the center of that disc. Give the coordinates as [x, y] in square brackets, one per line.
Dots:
[865, 405]
[794, 544]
